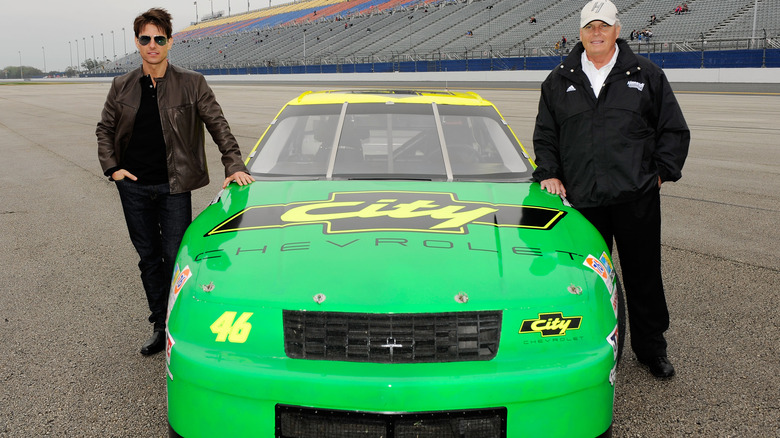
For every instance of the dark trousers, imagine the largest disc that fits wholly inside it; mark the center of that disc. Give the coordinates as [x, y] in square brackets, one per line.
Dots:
[636, 229]
[156, 221]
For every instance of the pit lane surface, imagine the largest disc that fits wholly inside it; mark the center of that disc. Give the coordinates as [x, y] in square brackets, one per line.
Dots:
[72, 310]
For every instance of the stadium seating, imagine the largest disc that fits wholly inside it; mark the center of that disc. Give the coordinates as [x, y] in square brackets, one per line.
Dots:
[351, 31]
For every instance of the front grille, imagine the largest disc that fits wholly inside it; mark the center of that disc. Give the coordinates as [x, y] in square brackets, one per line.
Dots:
[297, 422]
[392, 338]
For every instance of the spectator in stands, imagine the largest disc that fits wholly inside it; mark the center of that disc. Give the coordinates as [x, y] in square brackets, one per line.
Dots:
[633, 34]
[608, 133]
[652, 19]
[532, 20]
[157, 159]
[678, 10]
[563, 42]
[469, 33]
[685, 7]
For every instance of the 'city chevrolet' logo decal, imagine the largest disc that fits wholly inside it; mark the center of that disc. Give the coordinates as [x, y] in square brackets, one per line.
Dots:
[351, 212]
[551, 324]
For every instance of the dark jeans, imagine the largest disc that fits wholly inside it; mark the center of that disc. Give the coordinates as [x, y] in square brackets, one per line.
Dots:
[156, 220]
[636, 229]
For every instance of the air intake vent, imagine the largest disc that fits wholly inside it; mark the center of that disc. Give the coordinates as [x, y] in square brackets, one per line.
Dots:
[296, 422]
[392, 338]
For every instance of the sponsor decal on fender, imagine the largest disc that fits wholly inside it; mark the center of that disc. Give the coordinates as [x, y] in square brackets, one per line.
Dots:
[180, 277]
[614, 301]
[603, 267]
[613, 375]
[168, 346]
[612, 339]
[352, 212]
[551, 324]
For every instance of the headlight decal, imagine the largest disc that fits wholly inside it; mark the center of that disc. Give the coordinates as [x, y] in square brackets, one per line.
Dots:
[551, 324]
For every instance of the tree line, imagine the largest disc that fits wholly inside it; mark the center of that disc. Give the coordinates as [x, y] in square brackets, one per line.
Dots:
[17, 72]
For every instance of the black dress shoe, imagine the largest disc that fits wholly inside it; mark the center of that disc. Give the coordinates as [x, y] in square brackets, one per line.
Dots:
[659, 366]
[155, 344]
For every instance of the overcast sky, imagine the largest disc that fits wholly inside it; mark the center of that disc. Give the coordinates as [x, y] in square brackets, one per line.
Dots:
[33, 27]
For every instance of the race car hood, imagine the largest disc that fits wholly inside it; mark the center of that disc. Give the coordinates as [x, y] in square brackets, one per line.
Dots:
[388, 247]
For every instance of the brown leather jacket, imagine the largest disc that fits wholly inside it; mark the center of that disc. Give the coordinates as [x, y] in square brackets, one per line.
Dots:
[186, 103]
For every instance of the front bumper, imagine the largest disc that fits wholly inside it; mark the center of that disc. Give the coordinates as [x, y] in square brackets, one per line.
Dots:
[213, 393]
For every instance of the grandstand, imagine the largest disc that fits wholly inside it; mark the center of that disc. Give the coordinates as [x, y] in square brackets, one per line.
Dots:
[334, 32]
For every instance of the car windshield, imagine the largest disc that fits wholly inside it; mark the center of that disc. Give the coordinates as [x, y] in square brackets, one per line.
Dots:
[390, 141]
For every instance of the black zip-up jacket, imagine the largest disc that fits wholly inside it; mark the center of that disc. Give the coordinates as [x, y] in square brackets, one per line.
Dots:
[612, 149]
[186, 104]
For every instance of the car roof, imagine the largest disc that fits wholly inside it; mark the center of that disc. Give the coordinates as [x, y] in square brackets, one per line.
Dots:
[441, 97]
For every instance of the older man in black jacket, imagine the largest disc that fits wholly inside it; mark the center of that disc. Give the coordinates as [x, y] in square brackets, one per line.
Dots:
[608, 133]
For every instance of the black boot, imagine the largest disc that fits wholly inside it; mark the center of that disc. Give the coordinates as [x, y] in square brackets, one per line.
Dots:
[155, 344]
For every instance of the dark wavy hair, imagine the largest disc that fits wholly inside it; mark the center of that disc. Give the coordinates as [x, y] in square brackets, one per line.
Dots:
[156, 16]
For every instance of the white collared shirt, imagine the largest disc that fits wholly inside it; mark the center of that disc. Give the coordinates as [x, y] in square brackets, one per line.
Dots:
[597, 76]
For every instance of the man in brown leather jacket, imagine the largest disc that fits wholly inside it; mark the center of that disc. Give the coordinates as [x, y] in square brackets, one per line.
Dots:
[151, 143]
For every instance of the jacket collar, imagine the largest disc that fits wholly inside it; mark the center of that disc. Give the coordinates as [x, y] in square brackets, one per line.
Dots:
[140, 72]
[626, 61]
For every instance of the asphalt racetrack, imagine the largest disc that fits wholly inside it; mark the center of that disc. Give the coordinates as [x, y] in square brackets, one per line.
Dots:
[73, 312]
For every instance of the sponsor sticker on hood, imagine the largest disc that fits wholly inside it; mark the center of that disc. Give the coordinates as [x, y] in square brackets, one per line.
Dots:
[352, 212]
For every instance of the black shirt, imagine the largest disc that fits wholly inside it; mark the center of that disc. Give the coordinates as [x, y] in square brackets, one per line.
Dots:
[145, 156]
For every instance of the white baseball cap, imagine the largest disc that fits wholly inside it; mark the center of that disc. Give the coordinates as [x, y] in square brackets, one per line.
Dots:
[602, 10]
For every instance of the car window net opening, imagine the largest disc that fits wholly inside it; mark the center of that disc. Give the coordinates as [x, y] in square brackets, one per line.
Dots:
[390, 140]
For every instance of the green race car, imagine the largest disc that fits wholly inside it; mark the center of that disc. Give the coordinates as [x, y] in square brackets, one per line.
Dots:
[411, 281]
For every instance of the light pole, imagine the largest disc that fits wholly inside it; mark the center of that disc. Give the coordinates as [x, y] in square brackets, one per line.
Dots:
[212, 8]
[410, 32]
[44, 58]
[103, 44]
[228, 8]
[196, 11]
[78, 62]
[21, 69]
[247, 5]
[304, 46]
[755, 17]
[490, 18]
[70, 50]
[93, 47]
[113, 43]
[84, 40]
[124, 37]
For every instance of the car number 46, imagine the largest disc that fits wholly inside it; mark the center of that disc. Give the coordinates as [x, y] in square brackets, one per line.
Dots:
[227, 327]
